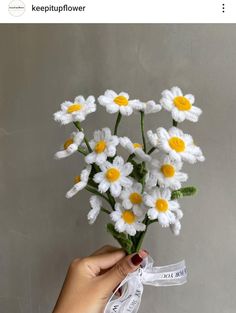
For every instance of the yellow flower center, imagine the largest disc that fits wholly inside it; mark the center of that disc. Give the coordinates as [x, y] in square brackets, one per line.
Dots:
[137, 145]
[112, 174]
[162, 205]
[77, 179]
[68, 142]
[121, 101]
[182, 103]
[128, 216]
[135, 198]
[100, 146]
[177, 144]
[168, 170]
[74, 107]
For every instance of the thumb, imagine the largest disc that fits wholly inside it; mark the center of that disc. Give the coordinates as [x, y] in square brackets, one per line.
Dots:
[117, 273]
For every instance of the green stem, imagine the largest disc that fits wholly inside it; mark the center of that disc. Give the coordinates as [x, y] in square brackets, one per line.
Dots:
[82, 151]
[142, 130]
[77, 125]
[151, 150]
[93, 190]
[175, 123]
[105, 210]
[117, 123]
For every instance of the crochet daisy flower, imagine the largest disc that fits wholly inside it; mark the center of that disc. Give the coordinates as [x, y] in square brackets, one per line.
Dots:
[181, 106]
[161, 207]
[103, 146]
[96, 205]
[132, 198]
[75, 111]
[135, 148]
[71, 145]
[168, 173]
[114, 176]
[126, 220]
[114, 103]
[150, 107]
[81, 182]
[177, 144]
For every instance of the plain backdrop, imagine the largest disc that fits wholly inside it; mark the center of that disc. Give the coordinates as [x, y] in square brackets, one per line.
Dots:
[40, 230]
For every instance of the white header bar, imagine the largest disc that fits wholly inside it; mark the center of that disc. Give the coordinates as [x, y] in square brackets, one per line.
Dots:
[117, 11]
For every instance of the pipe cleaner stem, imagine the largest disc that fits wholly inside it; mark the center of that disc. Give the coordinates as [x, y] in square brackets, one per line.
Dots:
[151, 150]
[142, 130]
[96, 192]
[77, 125]
[117, 123]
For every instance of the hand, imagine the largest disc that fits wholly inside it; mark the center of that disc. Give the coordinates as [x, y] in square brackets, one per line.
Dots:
[90, 281]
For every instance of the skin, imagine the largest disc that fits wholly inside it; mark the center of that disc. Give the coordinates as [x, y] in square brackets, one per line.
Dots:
[90, 281]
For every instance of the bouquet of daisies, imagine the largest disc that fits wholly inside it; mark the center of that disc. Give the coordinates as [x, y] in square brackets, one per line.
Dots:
[145, 187]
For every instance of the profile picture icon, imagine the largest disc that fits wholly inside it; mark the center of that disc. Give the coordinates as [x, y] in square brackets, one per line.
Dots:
[16, 8]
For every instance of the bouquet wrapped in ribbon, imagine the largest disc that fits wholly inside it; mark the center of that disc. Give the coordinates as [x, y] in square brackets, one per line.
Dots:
[141, 189]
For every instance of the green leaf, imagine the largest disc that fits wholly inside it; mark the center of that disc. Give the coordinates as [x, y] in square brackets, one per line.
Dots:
[183, 192]
[125, 242]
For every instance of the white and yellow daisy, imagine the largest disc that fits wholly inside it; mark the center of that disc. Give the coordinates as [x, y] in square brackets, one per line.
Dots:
[103, 146]
[118, 102]
[126, 220]
[181, 106]
[150, 107]
[135, 148]
[177, 144]
[96, 205]
[114, 176]
[71, 145]
[161, 206]
[132, 198]
[81, 182]
[75, 111]
[168, 173]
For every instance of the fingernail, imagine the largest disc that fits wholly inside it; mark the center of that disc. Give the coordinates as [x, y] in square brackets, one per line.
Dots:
[136, 259]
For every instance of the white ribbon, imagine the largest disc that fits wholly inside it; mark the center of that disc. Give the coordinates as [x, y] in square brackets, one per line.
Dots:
[147, 274]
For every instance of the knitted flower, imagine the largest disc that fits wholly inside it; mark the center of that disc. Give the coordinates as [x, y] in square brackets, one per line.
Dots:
[132, 198]
[103, 146]
[75, 111]
[114, 176]
[126, 220]
[168, 173]
[81, 182]
[177, 144]
[71, 145]
[96, 205]
[118, 103]
[150, 107]
[181, 106]
[135, 148]
[161, 207]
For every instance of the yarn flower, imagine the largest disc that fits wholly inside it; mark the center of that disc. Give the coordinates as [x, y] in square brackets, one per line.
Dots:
[132, 198]
[135, 148]
[126, 220]
[81, 182]
[71, 145]
[96, 205]
[178, 145]
[161, 207]
[181, 106]
[150, 107]
[103, 146]
[114, 102]
[114, 176]
[75, 111]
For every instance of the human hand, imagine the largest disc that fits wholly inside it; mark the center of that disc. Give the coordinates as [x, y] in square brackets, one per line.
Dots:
[90, 281]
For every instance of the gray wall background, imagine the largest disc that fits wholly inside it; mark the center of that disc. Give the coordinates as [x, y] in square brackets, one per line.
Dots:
[41, 231]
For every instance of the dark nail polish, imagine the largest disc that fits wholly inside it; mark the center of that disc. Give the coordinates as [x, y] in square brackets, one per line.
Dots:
[136, 259]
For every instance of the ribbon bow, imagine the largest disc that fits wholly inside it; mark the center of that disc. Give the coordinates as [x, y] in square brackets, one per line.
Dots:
[147, 274]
